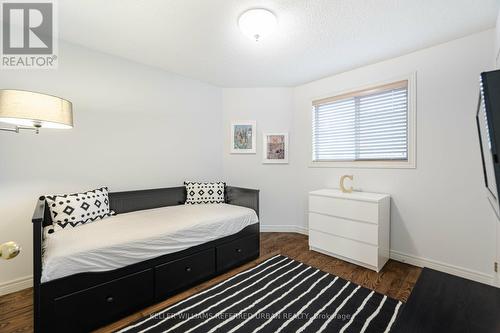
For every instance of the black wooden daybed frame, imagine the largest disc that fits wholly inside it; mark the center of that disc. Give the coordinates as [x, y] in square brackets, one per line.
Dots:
[85, 301]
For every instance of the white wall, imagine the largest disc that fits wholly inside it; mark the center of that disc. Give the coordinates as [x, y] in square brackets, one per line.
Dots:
[497, 42]
[440, 215]
[272, 109]
[136, 127]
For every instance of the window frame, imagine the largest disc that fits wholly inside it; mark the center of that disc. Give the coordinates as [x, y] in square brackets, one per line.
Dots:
[410, 163]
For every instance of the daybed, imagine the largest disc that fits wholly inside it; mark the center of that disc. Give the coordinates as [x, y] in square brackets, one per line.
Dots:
[97, 273]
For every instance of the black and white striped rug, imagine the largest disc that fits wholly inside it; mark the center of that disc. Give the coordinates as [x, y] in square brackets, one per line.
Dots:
[279, 295]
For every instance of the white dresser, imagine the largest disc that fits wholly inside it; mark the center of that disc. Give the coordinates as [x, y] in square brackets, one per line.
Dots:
[354, 227]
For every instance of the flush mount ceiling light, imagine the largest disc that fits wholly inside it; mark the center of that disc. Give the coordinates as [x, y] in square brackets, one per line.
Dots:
[257, 23]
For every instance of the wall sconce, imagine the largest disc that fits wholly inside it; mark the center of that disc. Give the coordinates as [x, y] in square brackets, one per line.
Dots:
[28, 110]
[31, 111]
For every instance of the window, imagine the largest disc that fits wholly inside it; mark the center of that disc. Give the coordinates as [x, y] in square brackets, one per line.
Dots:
[365, 126]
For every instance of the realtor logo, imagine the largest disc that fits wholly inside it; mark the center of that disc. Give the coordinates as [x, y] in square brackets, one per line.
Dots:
[28, 34]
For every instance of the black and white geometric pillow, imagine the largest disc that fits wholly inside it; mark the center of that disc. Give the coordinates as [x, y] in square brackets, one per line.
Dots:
[204, 193]
[72, 210]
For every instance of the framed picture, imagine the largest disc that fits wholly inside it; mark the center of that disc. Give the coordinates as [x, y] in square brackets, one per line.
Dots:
[243, 134]
[275, 148]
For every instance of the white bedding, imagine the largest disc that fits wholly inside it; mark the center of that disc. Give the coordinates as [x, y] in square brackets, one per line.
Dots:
[129, 238]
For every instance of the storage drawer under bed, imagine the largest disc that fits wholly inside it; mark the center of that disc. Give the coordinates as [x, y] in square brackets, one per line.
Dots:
[87, 309]
[232, 254]
[179, 274]
[90, 308]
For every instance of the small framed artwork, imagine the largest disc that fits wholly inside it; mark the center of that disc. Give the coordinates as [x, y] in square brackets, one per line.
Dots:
[275, 148]
[243, 137]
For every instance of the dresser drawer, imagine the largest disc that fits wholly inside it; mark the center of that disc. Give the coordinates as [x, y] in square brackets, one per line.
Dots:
[90, 308]
[345, 208]
[236, 252]
[183, 272]
[348, 249]
[360, 231]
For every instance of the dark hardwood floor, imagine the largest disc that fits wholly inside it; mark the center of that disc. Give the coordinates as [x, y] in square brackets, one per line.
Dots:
[395, 280]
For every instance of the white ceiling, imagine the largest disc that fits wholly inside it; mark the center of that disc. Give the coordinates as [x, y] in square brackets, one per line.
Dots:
[316, 38]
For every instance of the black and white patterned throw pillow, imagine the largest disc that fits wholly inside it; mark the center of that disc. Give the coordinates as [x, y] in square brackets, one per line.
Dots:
[72, 210]
[204, 193]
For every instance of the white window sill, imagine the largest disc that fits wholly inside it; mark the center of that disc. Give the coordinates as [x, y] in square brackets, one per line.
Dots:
[365, 164]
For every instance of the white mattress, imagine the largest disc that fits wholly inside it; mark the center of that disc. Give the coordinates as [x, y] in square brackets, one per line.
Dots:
[129, 238]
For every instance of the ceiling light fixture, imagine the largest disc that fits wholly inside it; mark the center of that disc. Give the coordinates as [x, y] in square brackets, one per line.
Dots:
[257, 23]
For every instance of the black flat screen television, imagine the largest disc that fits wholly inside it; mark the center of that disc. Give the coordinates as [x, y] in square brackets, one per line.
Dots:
[488, 124]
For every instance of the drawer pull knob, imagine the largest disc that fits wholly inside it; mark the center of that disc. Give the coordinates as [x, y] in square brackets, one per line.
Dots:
[239, 250]
[188, 269]
[109, 299]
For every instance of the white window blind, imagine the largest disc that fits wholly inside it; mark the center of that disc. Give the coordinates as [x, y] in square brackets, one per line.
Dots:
[362, 126]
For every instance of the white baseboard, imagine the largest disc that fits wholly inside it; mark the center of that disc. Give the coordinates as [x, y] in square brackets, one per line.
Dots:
[16, 285]
[443, 267]
[404, 257]
[283, 228]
